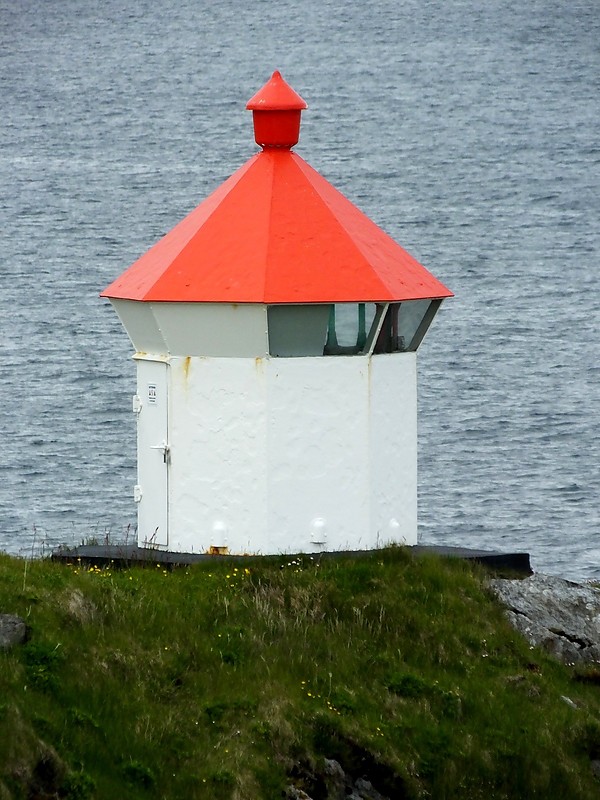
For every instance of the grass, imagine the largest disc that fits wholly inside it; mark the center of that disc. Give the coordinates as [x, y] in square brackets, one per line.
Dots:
[235, 680]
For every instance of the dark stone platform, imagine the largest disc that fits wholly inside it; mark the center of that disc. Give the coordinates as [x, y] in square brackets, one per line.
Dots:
[123, 555]
[515, 562]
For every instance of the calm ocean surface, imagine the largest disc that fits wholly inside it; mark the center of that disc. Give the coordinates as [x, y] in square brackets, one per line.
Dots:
[467, 130]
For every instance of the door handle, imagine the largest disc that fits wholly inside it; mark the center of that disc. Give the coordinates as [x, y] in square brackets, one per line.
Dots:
[165, 450]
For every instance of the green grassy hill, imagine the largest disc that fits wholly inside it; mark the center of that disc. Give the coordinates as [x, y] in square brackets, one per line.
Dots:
[237, 679]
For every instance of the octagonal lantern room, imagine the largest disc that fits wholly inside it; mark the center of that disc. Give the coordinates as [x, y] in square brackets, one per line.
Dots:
[276, 330]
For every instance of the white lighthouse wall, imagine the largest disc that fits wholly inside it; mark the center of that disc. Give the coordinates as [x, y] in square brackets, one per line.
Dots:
[195, 329]
[393, 447]
[141, 327]
[213, 329]
[290, 455]
[218, 430]
[318, 454]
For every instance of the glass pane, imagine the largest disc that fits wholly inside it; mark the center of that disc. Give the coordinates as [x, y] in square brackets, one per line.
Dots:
[297, 330]
[404, 325]
[349, 326]
[410, 317]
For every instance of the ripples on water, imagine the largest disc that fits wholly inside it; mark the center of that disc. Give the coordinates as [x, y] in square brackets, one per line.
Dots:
[468, 132]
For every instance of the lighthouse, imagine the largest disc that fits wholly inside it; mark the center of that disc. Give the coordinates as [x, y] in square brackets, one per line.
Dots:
[276, 330]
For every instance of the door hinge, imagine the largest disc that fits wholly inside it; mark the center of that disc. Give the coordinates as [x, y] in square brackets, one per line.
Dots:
[136, 405]
[137, 493]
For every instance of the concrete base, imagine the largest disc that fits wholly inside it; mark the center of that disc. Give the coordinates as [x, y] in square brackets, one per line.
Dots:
[128, 555]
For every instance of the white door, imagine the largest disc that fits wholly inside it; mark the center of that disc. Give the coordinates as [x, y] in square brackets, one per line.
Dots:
[153, 453]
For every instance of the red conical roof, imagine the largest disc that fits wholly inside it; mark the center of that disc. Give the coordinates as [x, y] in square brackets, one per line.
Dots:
[276, 232]
[276, 95]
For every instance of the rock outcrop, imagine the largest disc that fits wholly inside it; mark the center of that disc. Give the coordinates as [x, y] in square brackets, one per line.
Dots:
[560, 616]
[13, 631]
[337, 784]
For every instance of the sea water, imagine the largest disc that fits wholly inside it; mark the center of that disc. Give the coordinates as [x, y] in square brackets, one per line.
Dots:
[467, 130]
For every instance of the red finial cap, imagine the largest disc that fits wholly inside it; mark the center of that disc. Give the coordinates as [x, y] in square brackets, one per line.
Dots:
[276, 112]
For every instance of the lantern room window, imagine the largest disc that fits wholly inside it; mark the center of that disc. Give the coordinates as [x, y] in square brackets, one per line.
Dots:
[404, 325]
[348, 329]
[297, 330]
[351, 328]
